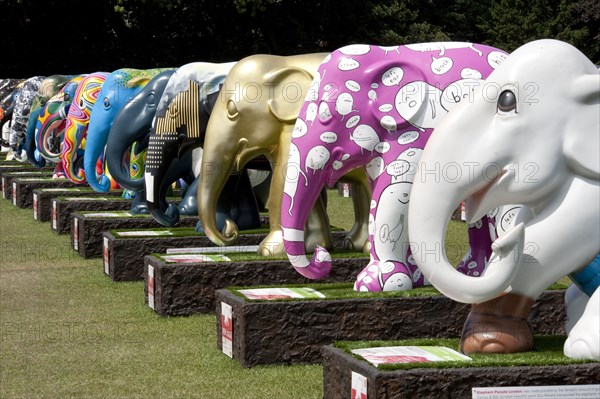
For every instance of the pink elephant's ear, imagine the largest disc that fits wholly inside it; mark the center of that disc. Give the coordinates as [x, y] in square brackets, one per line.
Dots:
[582, 139]
[287, 92]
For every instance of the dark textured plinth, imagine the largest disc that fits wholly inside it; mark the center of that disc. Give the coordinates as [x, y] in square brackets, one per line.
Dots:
[124, 256]
[448, 383]
[22, 188]
[62, 207]
[7, 178]
[87, 238]
[267, 332]
[42, 199]
[182, 289]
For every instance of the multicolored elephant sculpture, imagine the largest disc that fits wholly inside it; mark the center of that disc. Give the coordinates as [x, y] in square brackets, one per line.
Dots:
[127, 142]
[51, 121]
[254, 116]
[177, 134]
[73, 143]
[20, 118]
[7, 106]
[374, 107]
[117, 90]
[529, 138]
[48, 88]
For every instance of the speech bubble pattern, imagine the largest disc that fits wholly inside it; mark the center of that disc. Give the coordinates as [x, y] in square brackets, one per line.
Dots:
[378, 105]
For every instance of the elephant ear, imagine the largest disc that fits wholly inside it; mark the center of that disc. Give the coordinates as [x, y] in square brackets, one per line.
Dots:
[582, 138]
[141, 80]
[287, 88]
[211, 100]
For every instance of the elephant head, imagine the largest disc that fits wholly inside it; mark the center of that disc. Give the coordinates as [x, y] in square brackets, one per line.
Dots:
[117, 90]
[253, 117]
[132, 125]
[51, 121]
[20, 118]
[8, 90]
[374, 107]
[7, 106]
[48, 88]
[178, 128]
[530, 138]
[77, 123]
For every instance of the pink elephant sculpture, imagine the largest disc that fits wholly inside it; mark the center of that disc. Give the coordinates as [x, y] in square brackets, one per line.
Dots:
[375, 107]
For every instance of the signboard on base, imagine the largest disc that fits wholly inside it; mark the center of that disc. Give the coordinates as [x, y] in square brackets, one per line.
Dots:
[359, 386]
[227, 329]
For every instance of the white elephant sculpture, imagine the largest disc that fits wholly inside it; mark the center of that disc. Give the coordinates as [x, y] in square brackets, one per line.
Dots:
[540, 113]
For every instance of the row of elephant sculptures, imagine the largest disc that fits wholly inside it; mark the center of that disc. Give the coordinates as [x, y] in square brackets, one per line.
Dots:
[416, 129]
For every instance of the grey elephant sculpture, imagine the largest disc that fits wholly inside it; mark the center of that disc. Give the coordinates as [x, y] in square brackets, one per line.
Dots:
[178, 133]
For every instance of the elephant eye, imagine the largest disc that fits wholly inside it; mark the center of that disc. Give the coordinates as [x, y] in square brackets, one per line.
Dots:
[151, 99]
[81, 103]
[106, 103]
[507, 102]
[232, 110]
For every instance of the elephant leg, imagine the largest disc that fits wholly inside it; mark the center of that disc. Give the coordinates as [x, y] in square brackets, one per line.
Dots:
[498, 326]
[358, 236]
[189, 202]
[360, 191]
[244, 209]
[234, 204]
[583, 340]
[139, 205]
[391, 267]
[318, 231]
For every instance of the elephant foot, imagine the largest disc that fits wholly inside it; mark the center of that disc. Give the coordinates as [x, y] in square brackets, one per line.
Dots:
[140, 209]
[386, 276]
[498, 326]
[272, 245]
[188, 210]
[583, 340]
[356, 239]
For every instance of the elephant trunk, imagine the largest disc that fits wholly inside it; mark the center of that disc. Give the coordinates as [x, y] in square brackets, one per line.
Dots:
[161, 160]
[93, 150]
[116, 148]
[299, 198]
[30, 146]
[217, 164]
[431, 206]
[71, 155]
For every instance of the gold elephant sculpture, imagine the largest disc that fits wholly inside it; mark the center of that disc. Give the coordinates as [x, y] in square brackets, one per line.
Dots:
[255, 116]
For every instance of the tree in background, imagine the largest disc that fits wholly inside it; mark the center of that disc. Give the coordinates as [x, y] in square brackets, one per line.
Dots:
[60, 36]
[515, 22]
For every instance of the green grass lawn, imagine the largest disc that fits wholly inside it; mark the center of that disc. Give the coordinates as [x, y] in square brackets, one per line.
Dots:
[68, 331]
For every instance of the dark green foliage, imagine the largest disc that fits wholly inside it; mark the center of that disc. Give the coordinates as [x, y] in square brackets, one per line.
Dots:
[61, 36]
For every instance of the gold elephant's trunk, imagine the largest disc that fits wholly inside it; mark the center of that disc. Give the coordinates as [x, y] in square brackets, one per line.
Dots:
[217, 163]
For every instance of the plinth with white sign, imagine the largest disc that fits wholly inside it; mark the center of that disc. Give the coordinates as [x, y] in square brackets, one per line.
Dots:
[23, 187]
[125, 249]
[7, 178]
[88, 227]
[390, 371]
[62, 207]
[185, 284]
[271, 326]
[42, 199]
